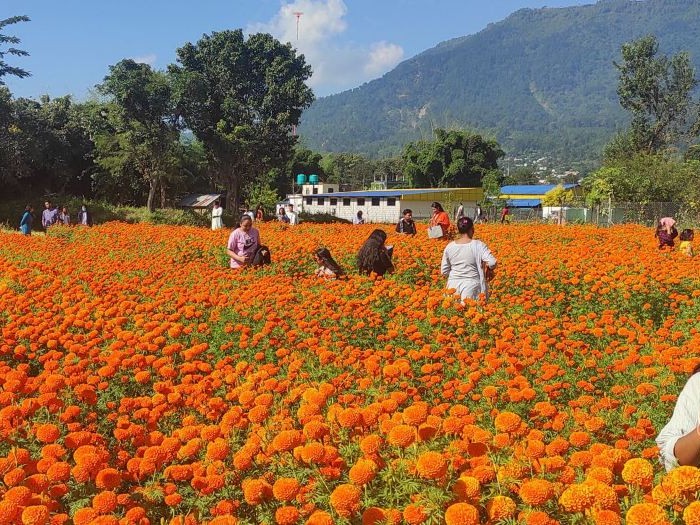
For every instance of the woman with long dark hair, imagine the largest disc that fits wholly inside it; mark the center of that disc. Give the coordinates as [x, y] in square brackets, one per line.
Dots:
[374, 256]
[679, 440]
[440, 218]
[327, 267]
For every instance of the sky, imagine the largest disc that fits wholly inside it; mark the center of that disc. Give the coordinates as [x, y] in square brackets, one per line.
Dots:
[347, 42]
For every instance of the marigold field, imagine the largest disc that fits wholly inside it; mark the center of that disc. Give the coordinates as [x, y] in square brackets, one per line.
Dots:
[142, 381]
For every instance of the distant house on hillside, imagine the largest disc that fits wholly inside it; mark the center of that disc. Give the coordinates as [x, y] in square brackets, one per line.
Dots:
[381, 205]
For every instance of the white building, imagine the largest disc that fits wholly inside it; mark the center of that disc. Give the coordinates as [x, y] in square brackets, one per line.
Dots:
[383, 206]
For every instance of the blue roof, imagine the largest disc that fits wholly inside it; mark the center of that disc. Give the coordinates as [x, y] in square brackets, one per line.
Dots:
[395, 193]
[524, 203]
[533, 189]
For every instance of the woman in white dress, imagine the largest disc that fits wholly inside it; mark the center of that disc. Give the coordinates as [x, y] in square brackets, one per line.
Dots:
[467, 263]
[216, 212]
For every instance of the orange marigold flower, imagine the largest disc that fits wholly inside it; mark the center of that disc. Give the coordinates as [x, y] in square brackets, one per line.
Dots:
[226, 519]
[320, 517]
[691, 514]
[105, 502]
[287, 515]
[431, 465]
[580, 439]
[536, 517]
[507, 422]
[414, 514]
[646, 514]
[415, 414]
[35, 515]
[348, 418]
[500, 508]
[402, 436]
[286, 440]
[218, 449]
[467, 488]
[602, 474]
[84, 516]
[285, 489]
[370, 445]
[108, 479]
[577, 498]
[638, 472]
[536, 492]
[345, 500]
[373, 516]
[255, 491]
[461, 514]
[682, 480]
[363, 472]
[606, 517]
[47, 433]
[312, 452]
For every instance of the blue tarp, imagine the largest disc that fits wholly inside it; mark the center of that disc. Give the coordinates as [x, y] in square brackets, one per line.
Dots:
[532, 189]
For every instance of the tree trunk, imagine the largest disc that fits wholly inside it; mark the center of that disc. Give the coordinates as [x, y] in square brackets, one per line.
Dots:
[162, 193]
[153, 185]
[232, 197]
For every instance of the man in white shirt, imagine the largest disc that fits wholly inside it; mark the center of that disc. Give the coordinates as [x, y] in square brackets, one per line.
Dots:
[292, 216]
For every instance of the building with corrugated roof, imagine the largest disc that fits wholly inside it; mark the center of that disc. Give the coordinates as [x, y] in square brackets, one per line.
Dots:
[529, 195]
[382, 206]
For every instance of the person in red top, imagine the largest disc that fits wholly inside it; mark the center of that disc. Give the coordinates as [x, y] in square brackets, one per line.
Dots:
[505, 214]
[440, 218]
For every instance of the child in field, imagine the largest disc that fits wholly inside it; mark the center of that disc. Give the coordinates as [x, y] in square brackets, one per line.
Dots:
[686, 245]
[327, 267]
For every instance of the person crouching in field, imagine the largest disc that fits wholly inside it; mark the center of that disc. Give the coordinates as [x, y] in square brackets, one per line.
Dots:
[666, 231]
[467, 263]
[242, 243]
[679, 440]
[327, 267]
[374, 256]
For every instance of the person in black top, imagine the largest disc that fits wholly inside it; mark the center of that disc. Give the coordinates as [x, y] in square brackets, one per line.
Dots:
[406, 224]
[374, 256]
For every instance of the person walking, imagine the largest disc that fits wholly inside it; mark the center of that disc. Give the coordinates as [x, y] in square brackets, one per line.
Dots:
[467, 263]
[217, 213]
[84, 216]
[478, 213]
[440, 218]
[460, 212]
[25, 223]
[505, 215]
[64, 216]
[242, 243]
[49, 216]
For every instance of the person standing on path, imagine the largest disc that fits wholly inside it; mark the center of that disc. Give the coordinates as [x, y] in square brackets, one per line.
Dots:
[84, 216]
[25, 223]
[293, 219]
[440, 218]
[460, 212]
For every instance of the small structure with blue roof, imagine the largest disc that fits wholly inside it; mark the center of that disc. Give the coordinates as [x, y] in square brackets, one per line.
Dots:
[529, 195]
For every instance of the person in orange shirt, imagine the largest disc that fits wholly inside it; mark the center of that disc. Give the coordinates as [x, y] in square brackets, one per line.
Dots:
[440, 218]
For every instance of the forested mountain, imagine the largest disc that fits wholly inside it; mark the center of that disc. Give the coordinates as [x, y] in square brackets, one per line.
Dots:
[540, 81]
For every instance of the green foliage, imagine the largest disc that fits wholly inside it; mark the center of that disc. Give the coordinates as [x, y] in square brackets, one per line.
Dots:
[656, 90]
[540, 81]
[558, 196]
[262, 194]
[453, 159]
[5, 68]
[241, 97]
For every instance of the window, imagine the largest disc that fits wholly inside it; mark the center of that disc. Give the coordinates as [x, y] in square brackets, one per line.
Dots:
[360, 202]
[346, 202]
[334, 202]
[375, 201]
[330, 190]
[391, 201]
[315, 191]
[320, 201]
[309, 201]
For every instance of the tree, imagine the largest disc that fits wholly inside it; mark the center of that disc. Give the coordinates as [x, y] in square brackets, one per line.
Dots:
[241, 97]
[453, 159]
[657, 91]
[143, 135]
[559, 197]
[5, 68]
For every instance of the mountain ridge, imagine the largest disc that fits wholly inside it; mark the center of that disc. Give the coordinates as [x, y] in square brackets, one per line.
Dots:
[540, 80]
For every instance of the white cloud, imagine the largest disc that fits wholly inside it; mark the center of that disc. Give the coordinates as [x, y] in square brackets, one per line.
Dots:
[149, 59]
[336, 66]
[382, 57]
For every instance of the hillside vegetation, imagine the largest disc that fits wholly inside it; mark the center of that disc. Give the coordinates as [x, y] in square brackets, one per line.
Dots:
[542, 80]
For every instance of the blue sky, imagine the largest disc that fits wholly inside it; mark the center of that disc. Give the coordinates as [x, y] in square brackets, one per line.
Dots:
[347, 42]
